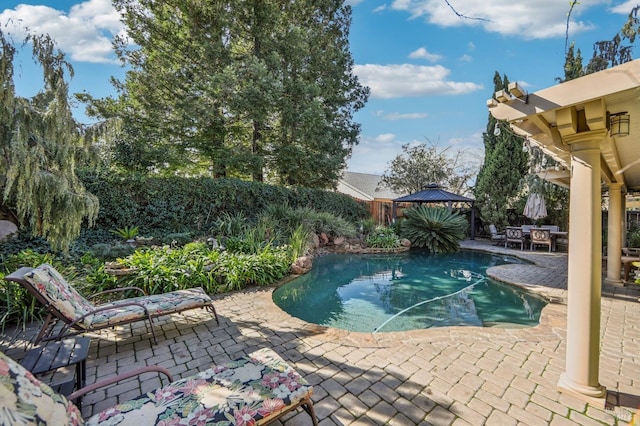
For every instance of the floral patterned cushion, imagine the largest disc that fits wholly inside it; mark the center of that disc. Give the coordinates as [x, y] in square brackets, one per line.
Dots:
[58, 291]
[157, 304]
[24, 400]
[250, 391]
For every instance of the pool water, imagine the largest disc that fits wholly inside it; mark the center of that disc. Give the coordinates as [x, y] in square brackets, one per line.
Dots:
[407, 291]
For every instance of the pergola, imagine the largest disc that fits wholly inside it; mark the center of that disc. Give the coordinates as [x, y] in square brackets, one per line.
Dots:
[590, 125]
[434, 193]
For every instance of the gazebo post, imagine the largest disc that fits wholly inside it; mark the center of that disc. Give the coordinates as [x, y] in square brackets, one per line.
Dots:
[473, 221]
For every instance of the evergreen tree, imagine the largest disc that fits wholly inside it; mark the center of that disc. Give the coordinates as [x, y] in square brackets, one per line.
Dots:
[40, 140]
[238, 88]
[498, 189]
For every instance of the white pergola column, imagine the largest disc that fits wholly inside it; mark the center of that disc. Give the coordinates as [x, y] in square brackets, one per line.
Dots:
[615, 225]
[580, 377]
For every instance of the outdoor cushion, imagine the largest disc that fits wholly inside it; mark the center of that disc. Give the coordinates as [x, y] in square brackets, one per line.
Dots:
[251, 390]
[26, 400]
[156, 304]
[57, 291]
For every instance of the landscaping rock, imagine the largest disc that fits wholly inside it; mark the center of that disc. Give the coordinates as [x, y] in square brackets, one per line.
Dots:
[302, 265]
[7, 229]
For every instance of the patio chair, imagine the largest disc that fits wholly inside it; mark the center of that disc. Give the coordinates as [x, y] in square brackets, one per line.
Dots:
[541, 237]
[514, 235]
[496, 236]
[64, 303]
[256, 389]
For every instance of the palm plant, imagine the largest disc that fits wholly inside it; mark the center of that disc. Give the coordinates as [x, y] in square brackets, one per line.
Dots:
[435, 228]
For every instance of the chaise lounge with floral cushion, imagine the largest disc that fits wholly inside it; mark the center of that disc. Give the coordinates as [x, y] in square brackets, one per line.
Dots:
[64, 303]
[256, 389]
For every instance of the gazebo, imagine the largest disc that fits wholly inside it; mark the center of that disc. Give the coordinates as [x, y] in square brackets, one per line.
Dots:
[434, 193]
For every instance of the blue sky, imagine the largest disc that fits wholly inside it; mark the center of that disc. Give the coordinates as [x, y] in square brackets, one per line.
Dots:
[429, 70]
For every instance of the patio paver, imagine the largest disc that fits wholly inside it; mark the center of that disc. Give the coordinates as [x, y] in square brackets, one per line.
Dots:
[445, 376]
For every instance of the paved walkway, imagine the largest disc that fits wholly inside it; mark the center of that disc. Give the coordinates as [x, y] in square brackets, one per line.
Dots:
[448, 376]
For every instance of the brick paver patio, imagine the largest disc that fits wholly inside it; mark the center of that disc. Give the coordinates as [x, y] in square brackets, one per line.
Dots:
[446, 376]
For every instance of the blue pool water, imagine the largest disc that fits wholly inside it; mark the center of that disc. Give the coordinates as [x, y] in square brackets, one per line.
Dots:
[407, 291]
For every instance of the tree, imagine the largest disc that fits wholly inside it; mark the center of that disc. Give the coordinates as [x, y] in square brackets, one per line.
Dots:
[425, 164]
[40, 140]
[573, 67]
[239, 88]
[498, 185]
[609, 53]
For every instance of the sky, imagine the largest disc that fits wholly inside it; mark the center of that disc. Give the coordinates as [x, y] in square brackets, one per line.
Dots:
[429, 63]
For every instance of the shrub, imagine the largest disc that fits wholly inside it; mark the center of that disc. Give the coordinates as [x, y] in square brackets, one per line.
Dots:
[18, 305]
[383, 237]
[435, 228]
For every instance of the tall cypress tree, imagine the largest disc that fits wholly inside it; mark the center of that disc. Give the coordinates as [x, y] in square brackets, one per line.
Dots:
[498, 186]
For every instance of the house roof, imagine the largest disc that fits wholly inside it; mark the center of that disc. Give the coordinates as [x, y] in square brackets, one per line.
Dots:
[364, 186]
[433, 194]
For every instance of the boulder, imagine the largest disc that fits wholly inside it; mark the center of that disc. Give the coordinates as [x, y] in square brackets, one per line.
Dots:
[302, 265]
[7, 229]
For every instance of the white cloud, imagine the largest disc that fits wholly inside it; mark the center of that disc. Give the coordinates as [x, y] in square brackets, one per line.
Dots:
[84, 33]
[380, 8]
[393, 116]
[527, 19]
[422, 53]
[373, 154]
[466, 58]
[405, 80]
[625, 8]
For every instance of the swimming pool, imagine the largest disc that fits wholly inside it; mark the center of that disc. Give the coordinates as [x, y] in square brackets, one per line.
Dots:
[407, 291]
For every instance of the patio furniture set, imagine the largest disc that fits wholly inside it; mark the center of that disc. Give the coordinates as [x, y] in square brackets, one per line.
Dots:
[257, 388]
[528, 235]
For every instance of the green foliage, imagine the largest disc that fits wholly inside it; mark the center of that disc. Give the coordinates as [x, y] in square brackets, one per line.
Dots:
[287, 219]
[40, 140]
[164, 269]
[126, 233]
[176, 239]
[201, 205]
[17, 305]
[299, 243]
[633, 238]
[261, 86]
[434, 228]
[421, 165]
[383, 237]
[367, 225]
[230, 225]
[264, 268]
[498, 187]
[107, 252]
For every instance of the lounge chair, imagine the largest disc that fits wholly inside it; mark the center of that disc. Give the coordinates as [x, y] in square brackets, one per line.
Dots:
[64, 303]
[256, 389]
[496, 236]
